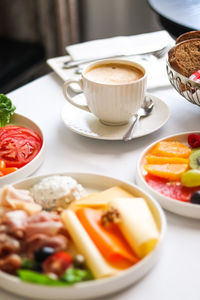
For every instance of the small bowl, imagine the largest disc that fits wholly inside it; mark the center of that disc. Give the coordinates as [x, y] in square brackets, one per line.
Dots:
[34, 164]
[101, 287]
[176, 206]
[187, 88]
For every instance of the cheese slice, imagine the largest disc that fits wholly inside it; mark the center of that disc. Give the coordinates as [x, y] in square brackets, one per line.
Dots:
[95, 261]
[101, 200]
[137, 224]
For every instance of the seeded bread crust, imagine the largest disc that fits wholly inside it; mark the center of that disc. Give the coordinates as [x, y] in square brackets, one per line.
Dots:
[188, 36]
[185, 57]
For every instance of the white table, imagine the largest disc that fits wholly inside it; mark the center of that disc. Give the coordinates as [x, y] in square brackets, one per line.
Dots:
[177, 275]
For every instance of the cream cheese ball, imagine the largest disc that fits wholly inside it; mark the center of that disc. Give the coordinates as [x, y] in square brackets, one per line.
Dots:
[57, 192]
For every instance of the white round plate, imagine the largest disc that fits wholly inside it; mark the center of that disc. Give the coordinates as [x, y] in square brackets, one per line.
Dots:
[33, 165]
[172, 205]
[87, 124]
[100, 287]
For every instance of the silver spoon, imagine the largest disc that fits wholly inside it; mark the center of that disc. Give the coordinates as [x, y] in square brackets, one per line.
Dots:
[144, 111]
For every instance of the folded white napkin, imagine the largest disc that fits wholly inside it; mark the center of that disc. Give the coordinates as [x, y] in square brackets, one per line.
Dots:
[120, 45]
[156, 68]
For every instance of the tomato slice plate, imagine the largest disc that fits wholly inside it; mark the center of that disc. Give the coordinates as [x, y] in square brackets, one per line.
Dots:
[18, 145]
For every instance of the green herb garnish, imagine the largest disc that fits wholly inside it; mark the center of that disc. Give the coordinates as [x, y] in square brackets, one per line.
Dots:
[70, 277]
[35, 277]
[6, 110]
[76, 275]
[28, 264]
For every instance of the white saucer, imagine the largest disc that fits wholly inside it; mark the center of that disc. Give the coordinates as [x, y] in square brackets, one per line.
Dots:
[87, 124]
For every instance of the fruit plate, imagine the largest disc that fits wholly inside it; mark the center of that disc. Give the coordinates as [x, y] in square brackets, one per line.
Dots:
[29, 168]
[100, 287]
[185, 209]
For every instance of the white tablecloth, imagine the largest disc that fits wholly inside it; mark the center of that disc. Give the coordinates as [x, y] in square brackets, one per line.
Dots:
[177, 275]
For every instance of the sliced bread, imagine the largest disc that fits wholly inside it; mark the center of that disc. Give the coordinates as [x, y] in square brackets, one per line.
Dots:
[185, 57]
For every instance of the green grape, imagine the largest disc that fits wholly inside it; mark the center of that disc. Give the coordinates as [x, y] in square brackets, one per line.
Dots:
[191, 178]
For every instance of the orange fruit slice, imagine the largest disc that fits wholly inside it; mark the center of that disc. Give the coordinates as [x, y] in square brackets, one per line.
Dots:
[172, 149]
[152, 159]
[168, 171]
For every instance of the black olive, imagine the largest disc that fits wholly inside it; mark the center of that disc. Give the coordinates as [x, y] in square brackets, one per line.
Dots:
[195, 198]
[42, 253]
[79, 261]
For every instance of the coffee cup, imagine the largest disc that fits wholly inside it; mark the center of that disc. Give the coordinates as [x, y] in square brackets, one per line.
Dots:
[114, 90]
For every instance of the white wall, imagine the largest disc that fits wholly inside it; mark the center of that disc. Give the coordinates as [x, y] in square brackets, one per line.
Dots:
[106, 18]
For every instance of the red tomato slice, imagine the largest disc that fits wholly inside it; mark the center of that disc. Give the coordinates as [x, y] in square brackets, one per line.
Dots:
[18, 145]
[57, 263]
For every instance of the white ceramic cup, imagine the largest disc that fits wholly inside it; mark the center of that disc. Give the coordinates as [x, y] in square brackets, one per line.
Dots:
[112, 104]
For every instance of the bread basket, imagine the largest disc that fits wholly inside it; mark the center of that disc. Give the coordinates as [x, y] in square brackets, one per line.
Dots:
[187, 88]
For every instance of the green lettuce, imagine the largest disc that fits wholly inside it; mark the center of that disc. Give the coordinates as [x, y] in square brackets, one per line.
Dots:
[35, 277]
[6, 110]
[70, 277]
[76, 275]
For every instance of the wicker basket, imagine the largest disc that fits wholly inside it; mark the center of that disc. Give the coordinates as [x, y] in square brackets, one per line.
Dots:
[187, 88]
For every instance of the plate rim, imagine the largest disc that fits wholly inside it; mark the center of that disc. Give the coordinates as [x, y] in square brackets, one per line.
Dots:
[92, 284]
[150, 190]
[38, 157]
[80, 132]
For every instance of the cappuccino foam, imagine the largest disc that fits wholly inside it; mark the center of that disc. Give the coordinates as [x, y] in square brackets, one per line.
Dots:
[114, 73]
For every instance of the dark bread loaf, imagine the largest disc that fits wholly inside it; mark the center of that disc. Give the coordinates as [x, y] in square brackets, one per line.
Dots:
[185, 57]
[188, 36]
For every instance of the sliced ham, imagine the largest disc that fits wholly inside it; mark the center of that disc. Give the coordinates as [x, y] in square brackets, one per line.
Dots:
[44, 216]
[44, 222]
[49, 228]
[37, 241]
[17, 199]
[10, 263]
[15, 221]
[8, 245]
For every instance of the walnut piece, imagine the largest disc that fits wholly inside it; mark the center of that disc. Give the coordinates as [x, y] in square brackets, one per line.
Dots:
[110, 216]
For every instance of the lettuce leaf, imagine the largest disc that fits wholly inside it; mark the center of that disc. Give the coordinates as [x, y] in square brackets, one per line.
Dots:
[6, 110]
[35, 277]
[76, 275]
[70, 277]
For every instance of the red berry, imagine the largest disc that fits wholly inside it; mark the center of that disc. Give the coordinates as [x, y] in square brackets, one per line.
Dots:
[194, 140]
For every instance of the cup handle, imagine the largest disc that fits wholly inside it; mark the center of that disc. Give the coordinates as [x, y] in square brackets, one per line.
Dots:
[69, 98]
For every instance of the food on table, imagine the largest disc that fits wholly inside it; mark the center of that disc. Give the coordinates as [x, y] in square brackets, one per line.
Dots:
[142, 236]
[168, 171]
[173, 168]
[195, 159]
[4, 170]
[6, 110]
[14, 199]
[191, 178]
[194, 140]
[152, 159]
[96, 262]
[195, 198]
[101, 200]
[171, 149]
[57, 192]
[18, 145]
[184, 56]
[77, 243]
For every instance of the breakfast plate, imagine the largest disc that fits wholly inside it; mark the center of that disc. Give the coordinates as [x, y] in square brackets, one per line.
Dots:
[31, 165]
[86, 124]
[93, 183]
[173, 195]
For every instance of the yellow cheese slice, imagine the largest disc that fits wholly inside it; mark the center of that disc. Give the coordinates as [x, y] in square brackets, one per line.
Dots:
[101, 200]
[95, 261]
[137, 224]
